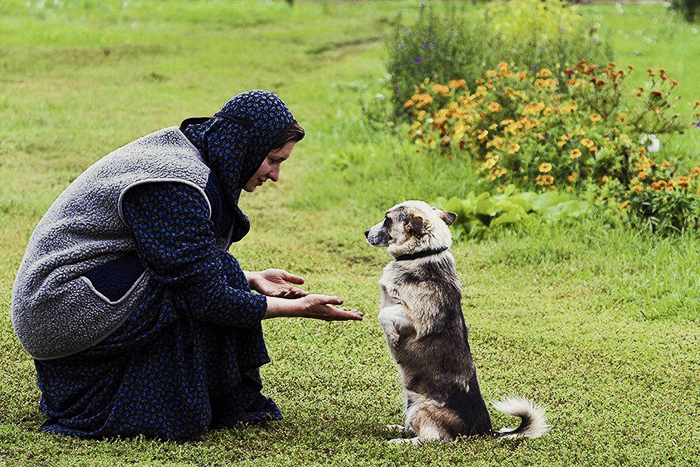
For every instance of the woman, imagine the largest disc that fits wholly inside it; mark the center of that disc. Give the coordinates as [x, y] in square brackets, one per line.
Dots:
[138, 319]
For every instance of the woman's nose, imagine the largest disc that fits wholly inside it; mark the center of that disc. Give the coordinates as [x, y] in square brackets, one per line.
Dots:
[274, 175]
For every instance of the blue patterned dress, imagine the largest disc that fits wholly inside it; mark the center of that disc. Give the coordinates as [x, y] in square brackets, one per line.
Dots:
[187, 359]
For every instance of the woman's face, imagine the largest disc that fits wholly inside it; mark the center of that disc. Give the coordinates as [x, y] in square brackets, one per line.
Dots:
[270, 168]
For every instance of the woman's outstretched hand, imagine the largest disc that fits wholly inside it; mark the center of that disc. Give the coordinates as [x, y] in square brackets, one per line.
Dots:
[315, 306]
[276, 283]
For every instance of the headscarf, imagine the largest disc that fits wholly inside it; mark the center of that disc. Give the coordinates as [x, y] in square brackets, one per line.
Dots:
[235, 142]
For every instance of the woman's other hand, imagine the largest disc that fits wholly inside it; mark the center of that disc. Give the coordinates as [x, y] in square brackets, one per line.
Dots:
[276, 283]
[323, 307]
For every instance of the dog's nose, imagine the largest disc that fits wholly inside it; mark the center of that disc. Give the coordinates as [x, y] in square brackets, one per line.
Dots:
[366, 233]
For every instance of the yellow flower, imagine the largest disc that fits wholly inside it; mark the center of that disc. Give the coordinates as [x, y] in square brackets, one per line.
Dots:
[624, 138]
[494, 107]
[593, 149]
[623, 206]
[483, 135]
[491, 74]
[595, 118]
[409, 103]
[695, 170]
[622, 118]
[573, 177]
[587, 142]
[638, 188]
[575, 153]
[457, 83]
[513, 148]
[665, 164]
[546, 167]
[545, 73]
[544, 179]
[504, 69]
[521, 75]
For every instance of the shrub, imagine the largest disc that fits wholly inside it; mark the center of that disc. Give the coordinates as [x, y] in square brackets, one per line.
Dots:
[453, 41]
[522, 127]
[660, 201]
[690, 9]
[476, 215]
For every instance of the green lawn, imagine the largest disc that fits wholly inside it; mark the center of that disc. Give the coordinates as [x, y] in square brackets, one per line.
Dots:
[599, 324]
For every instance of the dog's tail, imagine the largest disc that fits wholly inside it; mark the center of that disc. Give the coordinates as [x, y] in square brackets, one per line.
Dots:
[533, 418]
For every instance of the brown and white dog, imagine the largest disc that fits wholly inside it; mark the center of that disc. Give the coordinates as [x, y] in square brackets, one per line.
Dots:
[426, 333]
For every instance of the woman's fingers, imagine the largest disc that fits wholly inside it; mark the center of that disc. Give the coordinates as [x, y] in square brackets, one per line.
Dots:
[292, 278]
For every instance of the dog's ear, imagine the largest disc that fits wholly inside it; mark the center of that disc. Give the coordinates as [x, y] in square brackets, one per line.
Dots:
[415, 225]
[448, 216]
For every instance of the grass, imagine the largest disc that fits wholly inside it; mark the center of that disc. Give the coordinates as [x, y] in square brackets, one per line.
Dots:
[597, 323]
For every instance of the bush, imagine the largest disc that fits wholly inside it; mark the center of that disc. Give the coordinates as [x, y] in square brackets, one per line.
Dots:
[477, 215]
[522, 127]
[662, 202]
[690, 9]
[458, 41]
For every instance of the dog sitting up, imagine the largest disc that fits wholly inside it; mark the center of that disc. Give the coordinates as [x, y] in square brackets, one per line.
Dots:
[426, 333]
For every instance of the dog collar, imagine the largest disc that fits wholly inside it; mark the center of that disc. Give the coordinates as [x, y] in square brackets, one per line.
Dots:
[420, 254]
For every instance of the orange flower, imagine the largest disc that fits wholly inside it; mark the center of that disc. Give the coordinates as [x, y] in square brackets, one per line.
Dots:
[457, 83]
[623, 206]
[494, 107]
[546, 167]
[572, 178]
[441, 89]
[513, 148]
[642, 175]
[665, 164]
[545, 73]
[638, 188]
[695, 170]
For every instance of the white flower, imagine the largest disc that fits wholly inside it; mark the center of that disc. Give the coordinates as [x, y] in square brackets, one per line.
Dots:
[430, 120]
[380, 96]
[667, 4]
[419, 132]
[654, 143]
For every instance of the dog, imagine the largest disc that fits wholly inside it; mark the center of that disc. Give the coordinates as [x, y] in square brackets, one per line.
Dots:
[425, 331]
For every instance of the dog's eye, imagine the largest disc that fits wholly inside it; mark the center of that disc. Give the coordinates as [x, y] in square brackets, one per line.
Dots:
[387, 221]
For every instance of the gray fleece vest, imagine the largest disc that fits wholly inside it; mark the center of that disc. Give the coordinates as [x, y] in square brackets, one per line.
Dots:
[56, 310]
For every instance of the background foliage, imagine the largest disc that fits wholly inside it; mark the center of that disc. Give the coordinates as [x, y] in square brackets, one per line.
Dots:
[596, 321]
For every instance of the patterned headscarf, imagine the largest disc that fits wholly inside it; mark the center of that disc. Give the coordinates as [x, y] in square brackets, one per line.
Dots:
[236, 141]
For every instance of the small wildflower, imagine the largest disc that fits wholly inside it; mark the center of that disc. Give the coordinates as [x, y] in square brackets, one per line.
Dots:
[513, 148]
[441, 89]
[623, 205]
[595, 118]
[546, 167]
[575, 153]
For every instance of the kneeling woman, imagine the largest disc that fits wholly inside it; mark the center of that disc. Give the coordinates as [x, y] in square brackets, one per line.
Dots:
[138, 319]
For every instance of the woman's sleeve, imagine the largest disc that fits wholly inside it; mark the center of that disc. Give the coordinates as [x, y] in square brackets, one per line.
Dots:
[175, 242]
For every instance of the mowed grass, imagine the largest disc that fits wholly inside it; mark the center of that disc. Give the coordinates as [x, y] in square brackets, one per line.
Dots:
[598, 324]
